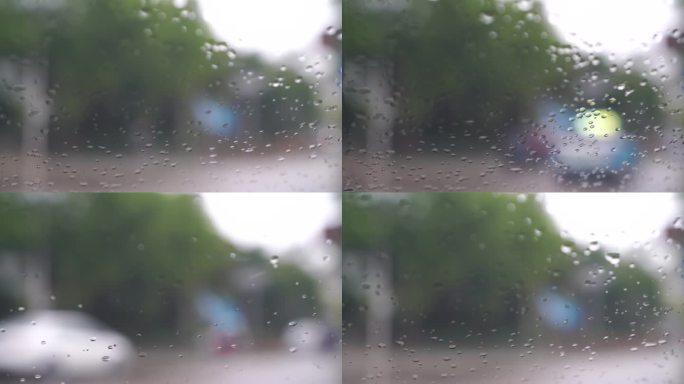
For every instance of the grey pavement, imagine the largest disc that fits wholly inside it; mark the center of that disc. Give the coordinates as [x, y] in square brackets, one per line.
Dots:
[661, 364]
[178, 367]
[312, 172]
[478, 172]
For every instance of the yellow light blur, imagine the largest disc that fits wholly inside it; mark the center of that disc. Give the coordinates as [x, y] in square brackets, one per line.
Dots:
[598, 123]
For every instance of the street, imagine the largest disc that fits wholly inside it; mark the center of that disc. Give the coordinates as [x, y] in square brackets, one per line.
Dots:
[264, 173]
[250, 367]
[268, 367]
[660, 364]
[491, 173]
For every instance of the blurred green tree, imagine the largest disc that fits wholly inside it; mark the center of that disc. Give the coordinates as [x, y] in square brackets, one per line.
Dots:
[632, 301]
[469, 256]
[136, 260]
[455, 65]
[473, 262]
[123, 74]
[472, 74]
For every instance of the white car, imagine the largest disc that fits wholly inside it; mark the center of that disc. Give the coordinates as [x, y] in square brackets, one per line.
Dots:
[65, 344]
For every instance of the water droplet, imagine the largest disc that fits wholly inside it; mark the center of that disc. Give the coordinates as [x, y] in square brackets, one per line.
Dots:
[613, 258]
[486, 19]
[594, 246]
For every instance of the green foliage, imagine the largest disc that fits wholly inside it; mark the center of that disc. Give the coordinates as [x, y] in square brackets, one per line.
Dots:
[291, 295]
[25, 226]
[128, 61]
[465, 74]
[450, 66]
[287, 105]
[473, 262]
[20, 36]
[136, 260]
[632, 301]
[630, 94]
[117, 67]
[286, 112]
[457, 254]
[147, 234]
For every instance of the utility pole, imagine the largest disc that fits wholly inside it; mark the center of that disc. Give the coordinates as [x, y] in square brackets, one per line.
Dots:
[33, 96]
[379, 296]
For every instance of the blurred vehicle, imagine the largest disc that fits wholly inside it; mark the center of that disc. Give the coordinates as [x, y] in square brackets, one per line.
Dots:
[217, 118]
[309, 335]
[593, 144]
[65, 344]
[228, 326]
[558, 312]
[588, 143]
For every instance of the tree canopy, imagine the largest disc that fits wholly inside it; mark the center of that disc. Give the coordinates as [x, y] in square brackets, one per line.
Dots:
[137, 259]
[466, 74]
[117, 69]
[478, 261]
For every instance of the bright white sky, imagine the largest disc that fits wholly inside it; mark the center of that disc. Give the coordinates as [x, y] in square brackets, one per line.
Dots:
[621, 26]
[275, 222]
[277, 27]
[274, 28]
[615, 220]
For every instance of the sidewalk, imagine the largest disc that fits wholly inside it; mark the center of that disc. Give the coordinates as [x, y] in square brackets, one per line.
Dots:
[661, 364]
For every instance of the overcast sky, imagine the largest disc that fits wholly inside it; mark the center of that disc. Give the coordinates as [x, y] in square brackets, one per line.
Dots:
[615, 220]
[274, 222]
[273, 28]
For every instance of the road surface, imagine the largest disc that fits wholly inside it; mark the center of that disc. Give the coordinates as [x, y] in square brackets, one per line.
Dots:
[661, 364]
[491, 173]
[168, 367]
[315, 172]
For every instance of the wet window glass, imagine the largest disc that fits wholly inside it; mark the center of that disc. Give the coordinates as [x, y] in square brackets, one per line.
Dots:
[512, 95]
[152, 288]
[512, 288]
[158, 95]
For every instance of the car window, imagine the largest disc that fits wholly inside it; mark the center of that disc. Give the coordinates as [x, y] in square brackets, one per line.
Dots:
[149, 288]
[519, 95]
[501, 288]
[170, 95]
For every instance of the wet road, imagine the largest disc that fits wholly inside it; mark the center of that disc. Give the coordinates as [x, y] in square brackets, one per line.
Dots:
[315, 172]
[543, 366]
[490, 173]
[237, 368]
[616, 366]
[256, 368]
